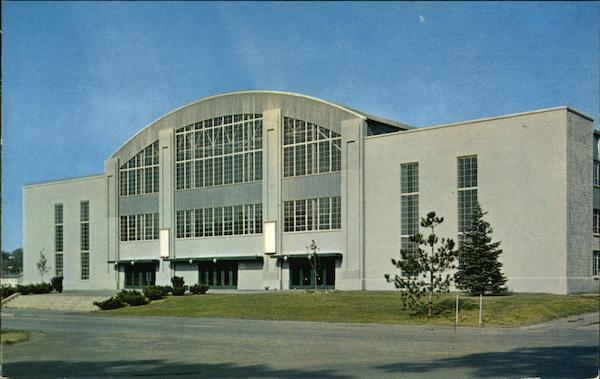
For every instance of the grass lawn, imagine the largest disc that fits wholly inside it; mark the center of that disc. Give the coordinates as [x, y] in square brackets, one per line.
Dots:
[10, 337]
[367, 307]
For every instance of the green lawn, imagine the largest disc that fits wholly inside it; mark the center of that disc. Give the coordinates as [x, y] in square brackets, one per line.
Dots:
[367, 307]
[10, 337]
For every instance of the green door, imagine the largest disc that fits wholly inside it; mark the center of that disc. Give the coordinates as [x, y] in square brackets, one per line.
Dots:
[222, 274]
[140, 275]
[302, 274]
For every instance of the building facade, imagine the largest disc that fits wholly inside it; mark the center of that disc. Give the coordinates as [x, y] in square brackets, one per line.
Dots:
[231, 190]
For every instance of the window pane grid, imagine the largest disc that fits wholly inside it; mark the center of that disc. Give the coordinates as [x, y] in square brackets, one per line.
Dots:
[219, 221]
[312, 214]
[140, 227]
[309, 149]
[58, 227]
[140, 174]
[221, 151]
[467, 193]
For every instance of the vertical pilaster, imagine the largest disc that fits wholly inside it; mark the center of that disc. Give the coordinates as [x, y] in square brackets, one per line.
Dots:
[166, 197]
[271, 187]
[353, 262]
[112, 211]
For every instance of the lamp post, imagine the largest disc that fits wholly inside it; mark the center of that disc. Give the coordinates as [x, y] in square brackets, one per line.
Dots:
[312, 250]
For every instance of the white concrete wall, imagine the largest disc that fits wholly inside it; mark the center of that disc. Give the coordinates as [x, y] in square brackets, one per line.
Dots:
[522, 178]
[579, 157]
[250, 275]
[38, 204]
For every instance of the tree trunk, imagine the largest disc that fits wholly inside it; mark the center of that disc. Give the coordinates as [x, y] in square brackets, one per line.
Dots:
[430, 303]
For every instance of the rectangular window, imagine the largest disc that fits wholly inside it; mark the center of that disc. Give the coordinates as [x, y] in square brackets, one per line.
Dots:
[58, 264]
[218, 223]
[467, 192]
[199, 223]
[85, 265]
[180, 224]
[409, 205]
[300, 215]
[227, 221]
[238, 219]
[596, 221]
[596, 263]
[208, 222]
[596, 173]
[288, 216]
[58, 227]
[84, 218]
[324, 213]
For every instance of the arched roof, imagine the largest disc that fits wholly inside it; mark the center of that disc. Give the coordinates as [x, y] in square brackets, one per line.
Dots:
[268, 99]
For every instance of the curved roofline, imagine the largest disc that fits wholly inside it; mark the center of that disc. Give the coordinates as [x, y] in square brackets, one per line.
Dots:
[346, 109]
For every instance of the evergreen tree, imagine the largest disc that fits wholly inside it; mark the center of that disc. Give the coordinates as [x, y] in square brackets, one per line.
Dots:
[424, 272]
[478, 268]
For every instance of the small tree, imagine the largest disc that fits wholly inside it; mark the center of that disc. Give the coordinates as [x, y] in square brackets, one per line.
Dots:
[42, 265]
[478, 268]
[312, 255]
[424, 272]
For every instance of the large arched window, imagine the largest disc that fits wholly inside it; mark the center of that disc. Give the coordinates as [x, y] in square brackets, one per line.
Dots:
[309, 149]
[219, 151]
[140, 174]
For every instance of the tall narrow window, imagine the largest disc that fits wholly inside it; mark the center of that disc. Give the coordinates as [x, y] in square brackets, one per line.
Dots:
[596, 221]
[467, 193]
[84, 218]
[596, 263]
[409, 205]
[596, 173]
[58, 239]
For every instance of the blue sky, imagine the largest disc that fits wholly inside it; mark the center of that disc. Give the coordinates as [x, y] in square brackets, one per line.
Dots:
[81, 78]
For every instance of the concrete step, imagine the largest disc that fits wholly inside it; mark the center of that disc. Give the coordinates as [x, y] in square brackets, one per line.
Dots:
[57, 301]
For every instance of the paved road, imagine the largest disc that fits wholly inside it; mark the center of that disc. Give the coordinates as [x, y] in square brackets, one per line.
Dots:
[68, 344]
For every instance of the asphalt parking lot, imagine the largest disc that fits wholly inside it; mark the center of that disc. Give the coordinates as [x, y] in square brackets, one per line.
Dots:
[84, 345]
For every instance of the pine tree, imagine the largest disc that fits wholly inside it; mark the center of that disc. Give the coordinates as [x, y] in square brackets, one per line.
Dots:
[479, 268]
[424, 271]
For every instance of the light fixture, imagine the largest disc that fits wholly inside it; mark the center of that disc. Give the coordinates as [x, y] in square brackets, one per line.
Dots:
[191, 261]
[132, 263]
[285, 258]
[214, 260]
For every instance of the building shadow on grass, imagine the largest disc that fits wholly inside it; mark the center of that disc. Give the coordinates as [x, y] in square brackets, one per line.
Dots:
[153, 369]
[545, 362]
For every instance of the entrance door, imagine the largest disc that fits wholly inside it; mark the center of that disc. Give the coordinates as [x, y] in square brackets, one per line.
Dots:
[140, 274]
[302, 274]
[222, 274]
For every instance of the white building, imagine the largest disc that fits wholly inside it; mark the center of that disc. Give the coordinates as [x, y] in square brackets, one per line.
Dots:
[200, 184]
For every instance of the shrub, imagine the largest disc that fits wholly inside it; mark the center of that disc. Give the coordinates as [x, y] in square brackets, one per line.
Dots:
[164, 290]
[7, 291]
[153, 293]
[177, 281]
[133, 298]
[42, 288]
[24, 289]
[38, 288]
[57, 283]
[110, 303]
[199, 289]
[179, 291]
